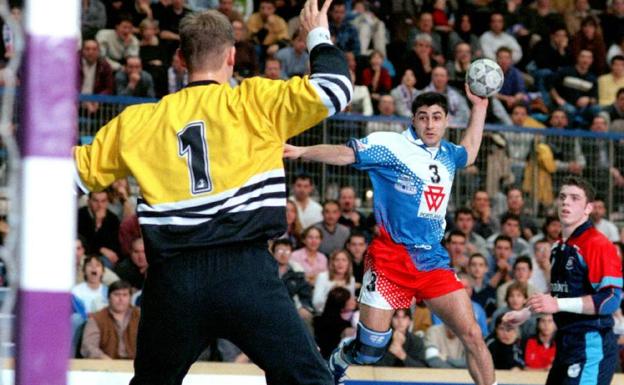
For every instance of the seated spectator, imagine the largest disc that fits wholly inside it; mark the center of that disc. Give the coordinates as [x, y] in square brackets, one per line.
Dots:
[611, 21]
[568, 153]
[339, 274]
[455, 244]
[226, 7]
[443, 349]
[515, 205]
[134, 269]
[294, 228]
[265, 27]
[540, 277]
[573, 17]
[356, 246]
[334, 234]
[464, 222]
[575, 90]
[406, 349]
[140, 10]
[99, 227]
[617, 48]
[522, 271]
[177, 75]
[515, 299]
[540, 348]
[312, 260]
[291, 273]
[458, 110]
[500, 261]
[482, 292]
[133, 81]
[111, 333]
[614, 113]
[308, 210]
[485, 223]
[386, 110]
[420, 60]
[504, 345]
[458, 67]
[510, 226]
[601, 223]
[551, 231]
[590, 38]
[610, 83]
[169, 24]
[96, 75]
[294, 59]
[92, 18]
[153, 56]
[349, 214]
[550, 55]
[520, 145]
[273, 69]
[376, 78]
[496, 37]
[405, 93]
[107, 278]
[91, 294]
[425, 26]
[466, 34]
[246, 59]
[118, 44]
[336, 321]
[371, 30]
[513, 91]
[345, 35]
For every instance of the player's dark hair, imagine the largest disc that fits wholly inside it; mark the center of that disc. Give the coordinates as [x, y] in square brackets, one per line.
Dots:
[280, 242]
[509, 217]
[119, 285]
[581, 183]
[505, 238]
[204, 39]
[463, 210]
[430, 99]
[523, 259]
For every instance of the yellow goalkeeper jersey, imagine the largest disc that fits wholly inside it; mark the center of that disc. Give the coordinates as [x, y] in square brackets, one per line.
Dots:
[208, 159]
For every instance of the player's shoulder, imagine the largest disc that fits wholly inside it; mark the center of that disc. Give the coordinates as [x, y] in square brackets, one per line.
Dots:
[446, 145]
[384, 138]
[593, 242]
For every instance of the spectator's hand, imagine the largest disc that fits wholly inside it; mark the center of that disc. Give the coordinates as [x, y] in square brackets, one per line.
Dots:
[543, 303]
[311, 17]
[575, 168]
[109, 254]
[396, 346]
[354, 216]
[503, 265]
[91, 107]
[582, 102]
[272, 50]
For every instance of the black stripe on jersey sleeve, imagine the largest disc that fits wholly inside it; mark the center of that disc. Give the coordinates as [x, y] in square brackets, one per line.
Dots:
[337, 82]
[332, 97]
[328, 59]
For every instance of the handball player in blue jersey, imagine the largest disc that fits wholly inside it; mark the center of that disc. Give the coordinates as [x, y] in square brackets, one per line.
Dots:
[586, 288]
[412, 174]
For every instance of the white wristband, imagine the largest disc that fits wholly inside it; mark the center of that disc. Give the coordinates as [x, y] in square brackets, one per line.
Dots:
[318, 35]
[571, 305]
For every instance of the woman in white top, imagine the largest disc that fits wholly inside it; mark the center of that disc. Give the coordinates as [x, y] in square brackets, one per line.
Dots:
[340, 273]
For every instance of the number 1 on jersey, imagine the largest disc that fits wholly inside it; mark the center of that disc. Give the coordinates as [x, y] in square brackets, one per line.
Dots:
[193, 146]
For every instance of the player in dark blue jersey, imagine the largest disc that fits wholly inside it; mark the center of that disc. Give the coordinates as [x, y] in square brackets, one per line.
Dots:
[586, 286]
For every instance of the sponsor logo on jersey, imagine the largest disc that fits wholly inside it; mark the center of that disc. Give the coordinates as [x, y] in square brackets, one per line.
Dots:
[570, 263]
[434, 196]
[406, 185]
[373, 280]
[558, 287]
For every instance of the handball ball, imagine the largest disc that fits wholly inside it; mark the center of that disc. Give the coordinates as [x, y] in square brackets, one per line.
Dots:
[484, 77]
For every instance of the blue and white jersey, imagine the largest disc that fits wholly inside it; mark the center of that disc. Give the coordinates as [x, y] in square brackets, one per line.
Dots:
[412, 185]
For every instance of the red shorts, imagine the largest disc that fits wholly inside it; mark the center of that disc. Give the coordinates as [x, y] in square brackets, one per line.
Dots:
[391, 279]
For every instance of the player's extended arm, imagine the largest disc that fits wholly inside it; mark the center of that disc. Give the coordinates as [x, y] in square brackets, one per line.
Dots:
[338, 155]
[472, 138]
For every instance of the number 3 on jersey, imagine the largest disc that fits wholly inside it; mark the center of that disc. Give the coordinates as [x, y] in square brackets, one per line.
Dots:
[192, 145]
